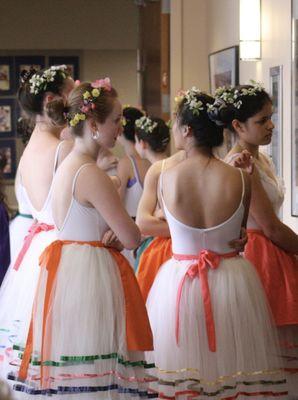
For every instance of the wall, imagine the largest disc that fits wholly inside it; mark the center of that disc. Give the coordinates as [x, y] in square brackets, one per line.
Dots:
[199, 27]
[103, 32]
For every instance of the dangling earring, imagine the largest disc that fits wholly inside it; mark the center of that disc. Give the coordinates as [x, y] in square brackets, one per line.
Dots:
[95, 135]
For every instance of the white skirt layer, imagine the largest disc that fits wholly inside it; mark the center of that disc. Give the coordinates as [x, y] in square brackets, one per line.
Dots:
[288, 336]
[18, 229]
[246, 361]
[88, 355]
[16, 299]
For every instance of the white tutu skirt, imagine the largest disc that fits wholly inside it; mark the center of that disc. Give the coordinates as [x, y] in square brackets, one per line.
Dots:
[86, 338]
[18, 229]
[288, 336]
[246, 362]
[16, 300]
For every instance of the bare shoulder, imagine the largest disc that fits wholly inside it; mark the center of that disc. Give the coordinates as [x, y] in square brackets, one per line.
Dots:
[124, 164]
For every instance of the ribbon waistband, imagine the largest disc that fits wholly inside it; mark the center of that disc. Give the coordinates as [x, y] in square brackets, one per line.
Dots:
[35, 228]
[199, 268]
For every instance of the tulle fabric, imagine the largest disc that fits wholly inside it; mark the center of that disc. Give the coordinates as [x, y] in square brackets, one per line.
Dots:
[246, 362]
[88, 355]
[16, 299]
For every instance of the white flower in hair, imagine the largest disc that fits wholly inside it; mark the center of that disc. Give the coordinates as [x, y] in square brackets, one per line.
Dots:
[38, 83]
[191, 100]
[146, 124]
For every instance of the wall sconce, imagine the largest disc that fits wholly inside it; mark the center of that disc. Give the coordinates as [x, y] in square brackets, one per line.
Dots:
[250, 30]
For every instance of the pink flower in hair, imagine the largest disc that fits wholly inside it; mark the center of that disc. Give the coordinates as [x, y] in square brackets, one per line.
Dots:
[102, 83]
[77, 82]
[85, 109]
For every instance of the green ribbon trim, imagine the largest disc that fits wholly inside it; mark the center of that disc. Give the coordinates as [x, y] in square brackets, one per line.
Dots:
[73, 360]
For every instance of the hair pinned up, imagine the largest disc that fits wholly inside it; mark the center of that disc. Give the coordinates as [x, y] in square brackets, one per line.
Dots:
[26, 75]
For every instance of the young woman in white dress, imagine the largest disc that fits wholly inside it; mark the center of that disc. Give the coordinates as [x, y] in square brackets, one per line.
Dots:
[89, 323]
[271, 244]
[213, 335]
[39, 92]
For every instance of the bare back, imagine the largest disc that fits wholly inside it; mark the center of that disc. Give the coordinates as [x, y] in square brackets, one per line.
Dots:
[37, 165]
[204, 194]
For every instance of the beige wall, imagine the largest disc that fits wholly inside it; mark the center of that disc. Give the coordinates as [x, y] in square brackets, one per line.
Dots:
[68, 24]
[106, 46]
[212, 25]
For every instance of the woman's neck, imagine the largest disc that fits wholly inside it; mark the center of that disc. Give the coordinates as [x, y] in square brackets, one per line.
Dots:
[103, 153]
[253, 149]
[129, 148]
[154, 157]
[85, 148]
[42, 126]
[195, 151]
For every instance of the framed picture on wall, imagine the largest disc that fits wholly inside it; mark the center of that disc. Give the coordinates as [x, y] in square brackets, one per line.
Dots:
[7, 117]
[294, 144]
[7, 86]
[8, 148]
[27, 62]
[72, 63]
[224, 68]
[275, 147]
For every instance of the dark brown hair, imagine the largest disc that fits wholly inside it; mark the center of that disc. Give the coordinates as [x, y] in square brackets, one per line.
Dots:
[32, 103]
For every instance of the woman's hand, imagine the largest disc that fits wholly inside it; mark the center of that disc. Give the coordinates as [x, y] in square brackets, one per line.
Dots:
[239, 244]
[110, 240]
[244, 161]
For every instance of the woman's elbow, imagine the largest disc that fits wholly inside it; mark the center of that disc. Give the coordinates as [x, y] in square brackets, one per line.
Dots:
[133, 240]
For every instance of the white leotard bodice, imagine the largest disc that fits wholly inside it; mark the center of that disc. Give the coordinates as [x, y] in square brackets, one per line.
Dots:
[273, 187]
[82, 223]
[190, 240]
[45, 214]
[23, 206]
[134, 192]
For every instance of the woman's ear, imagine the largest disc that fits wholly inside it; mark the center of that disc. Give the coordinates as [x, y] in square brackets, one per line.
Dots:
[186, 131]
[238, 126]
[48, 98]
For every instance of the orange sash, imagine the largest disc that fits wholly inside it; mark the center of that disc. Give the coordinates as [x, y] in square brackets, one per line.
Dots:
[138, 331]
[158, 252]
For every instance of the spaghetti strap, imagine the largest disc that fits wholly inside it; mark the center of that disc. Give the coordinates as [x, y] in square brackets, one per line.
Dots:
[57, 157]
[76, 177]
[135, 170]
[243, 185]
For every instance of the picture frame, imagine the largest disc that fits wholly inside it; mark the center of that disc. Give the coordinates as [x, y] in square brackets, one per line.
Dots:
[224, 68]
[7, 81]
[8, 147]
[72, 63]
[294, 133]
[25, 62]
[276, 146]
[7, 118]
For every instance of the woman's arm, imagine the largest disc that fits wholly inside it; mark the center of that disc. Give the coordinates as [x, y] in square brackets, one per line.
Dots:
[148, 222]
[99, 191]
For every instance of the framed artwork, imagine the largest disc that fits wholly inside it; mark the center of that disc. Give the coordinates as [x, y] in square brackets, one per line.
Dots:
[7, 82]
[294, 141]
[7, 117]
[72, 63]
[8, 148]
[25, 62]
[275, 148]
[224, 68]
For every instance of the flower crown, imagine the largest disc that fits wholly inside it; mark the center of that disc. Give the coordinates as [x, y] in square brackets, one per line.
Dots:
[146, 124]
[39, 83]
[233, 96]
[190, 98]
[89, 98]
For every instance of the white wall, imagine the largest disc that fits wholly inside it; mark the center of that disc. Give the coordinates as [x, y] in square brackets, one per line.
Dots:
[199, 27]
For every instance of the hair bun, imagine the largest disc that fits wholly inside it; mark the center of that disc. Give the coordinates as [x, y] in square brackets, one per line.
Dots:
[26, 75]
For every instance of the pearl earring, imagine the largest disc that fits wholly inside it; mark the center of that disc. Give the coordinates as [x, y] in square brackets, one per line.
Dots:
[95, 135]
